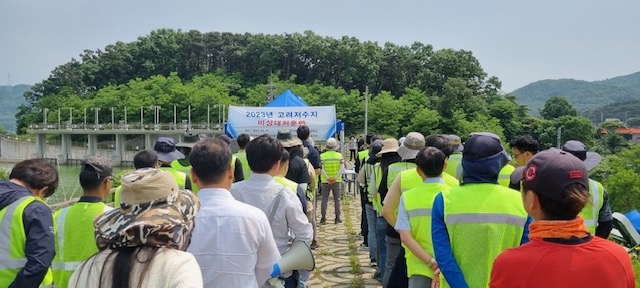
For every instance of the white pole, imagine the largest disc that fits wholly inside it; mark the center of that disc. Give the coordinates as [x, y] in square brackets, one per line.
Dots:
[142, 118]
[175, 116]
[208, 116]
[189, 122]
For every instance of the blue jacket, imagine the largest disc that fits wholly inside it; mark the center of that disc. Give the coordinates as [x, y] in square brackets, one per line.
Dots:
[38, 224]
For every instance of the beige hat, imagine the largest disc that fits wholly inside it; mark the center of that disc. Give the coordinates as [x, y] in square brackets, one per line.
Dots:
[287, 140]
[412, 144]
[153, 212]
[388, 145]
[332, 144]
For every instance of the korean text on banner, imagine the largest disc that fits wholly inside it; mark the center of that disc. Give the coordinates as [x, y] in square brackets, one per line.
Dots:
[256, 121]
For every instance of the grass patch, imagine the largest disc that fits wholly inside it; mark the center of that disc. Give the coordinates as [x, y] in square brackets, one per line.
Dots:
[356, 269]
[636, 269]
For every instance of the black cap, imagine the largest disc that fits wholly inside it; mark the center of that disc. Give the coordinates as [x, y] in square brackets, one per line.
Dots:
[99, 165]
[549, 172]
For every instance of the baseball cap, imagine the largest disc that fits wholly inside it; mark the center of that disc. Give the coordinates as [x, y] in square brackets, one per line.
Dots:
[412, 144]
[99, 165]
[578, 149]
[483, 145]
[551, 171]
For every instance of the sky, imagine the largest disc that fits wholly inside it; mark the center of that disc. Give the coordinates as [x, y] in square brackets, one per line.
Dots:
[518, 41]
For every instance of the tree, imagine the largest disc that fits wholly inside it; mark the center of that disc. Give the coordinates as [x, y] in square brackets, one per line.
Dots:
[573, 128]
[557, 107]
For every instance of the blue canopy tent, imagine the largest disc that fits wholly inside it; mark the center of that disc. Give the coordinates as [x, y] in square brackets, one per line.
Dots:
[287, 99]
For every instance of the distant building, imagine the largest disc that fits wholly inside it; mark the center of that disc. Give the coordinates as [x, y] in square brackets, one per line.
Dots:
[631, 134]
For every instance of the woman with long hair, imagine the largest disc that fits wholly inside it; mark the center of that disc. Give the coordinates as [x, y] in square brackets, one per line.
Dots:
[143, 243]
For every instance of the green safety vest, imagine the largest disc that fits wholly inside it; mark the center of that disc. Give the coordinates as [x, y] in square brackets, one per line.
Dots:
[370, 178]
[452, 163]
[246, 170]
[418, 203]
[482, 221]
[504, 177]
[331, 161]
[591, 211]
[410, 179]
[287, 183]
[363, 155]
[116, 197]
[377, 202]
[75, 240]
[13, 239]
[396, 168]
[179, 176]
[186, 170]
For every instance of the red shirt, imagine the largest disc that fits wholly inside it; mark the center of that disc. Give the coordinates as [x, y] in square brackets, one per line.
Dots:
[540, 263]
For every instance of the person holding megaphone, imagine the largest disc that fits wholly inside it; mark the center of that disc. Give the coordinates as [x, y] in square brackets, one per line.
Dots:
[232, 241]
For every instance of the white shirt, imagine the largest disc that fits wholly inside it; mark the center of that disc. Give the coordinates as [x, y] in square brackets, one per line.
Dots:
[169, 269]
[231, 241]
[289, 221]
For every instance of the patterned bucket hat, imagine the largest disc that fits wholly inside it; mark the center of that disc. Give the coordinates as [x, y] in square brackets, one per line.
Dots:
[153, 212]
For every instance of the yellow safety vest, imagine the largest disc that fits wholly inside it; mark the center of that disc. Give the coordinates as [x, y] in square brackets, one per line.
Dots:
[452, 163]
[287, 183]
[504, 177]
[395, 169]
[184, 169]
[591, 211]
[377, 177]
[482, 221]
[246, 170]
[179, 176]
[418, 203]
[363, 155]
[410, 179]
[370, 178]
[13, 239]
[331, 161]
[75, 240]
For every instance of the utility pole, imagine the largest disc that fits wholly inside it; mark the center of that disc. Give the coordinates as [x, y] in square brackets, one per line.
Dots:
[113, 119]
[559, 137]
[366, 109]
[59, 121]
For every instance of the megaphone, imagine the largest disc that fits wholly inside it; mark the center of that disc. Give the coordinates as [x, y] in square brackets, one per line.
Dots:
[299, 257]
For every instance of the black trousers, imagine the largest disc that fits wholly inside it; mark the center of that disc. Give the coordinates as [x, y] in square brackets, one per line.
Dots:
[364, 227]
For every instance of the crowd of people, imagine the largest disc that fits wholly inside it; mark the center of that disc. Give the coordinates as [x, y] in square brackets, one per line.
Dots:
[436, 212]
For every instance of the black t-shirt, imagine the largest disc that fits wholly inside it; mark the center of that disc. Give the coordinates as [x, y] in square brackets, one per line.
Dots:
[298, 171]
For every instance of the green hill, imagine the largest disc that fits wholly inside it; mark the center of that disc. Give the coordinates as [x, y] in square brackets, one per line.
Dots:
[584, 95]
[621, 110]
[631, 80]
[11, 98]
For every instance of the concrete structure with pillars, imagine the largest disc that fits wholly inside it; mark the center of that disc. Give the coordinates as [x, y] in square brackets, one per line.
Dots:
[65, 156]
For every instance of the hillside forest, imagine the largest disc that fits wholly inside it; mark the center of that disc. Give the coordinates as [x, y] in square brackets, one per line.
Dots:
[411, 88]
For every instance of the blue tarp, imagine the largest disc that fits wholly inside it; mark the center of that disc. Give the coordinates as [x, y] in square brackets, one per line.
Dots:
[287, 99]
